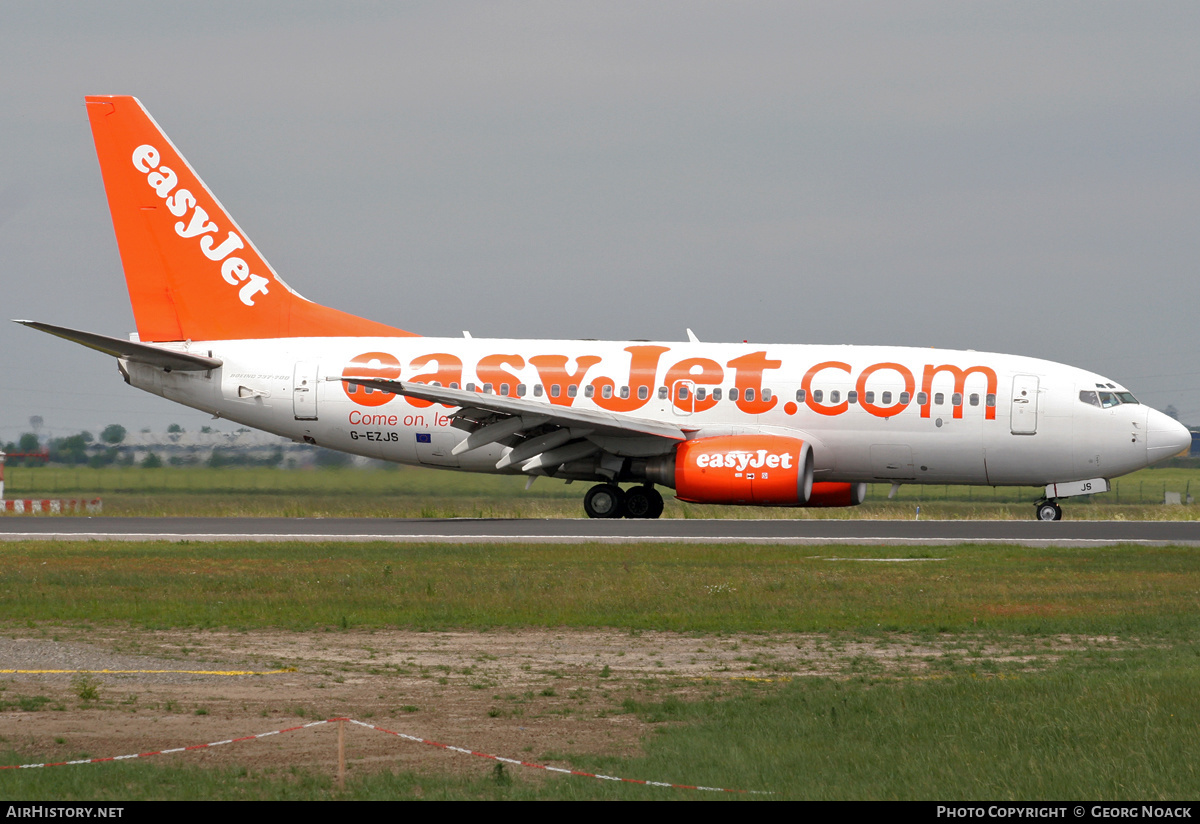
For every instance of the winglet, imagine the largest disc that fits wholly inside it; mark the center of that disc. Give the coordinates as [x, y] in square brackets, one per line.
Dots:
[192, 273]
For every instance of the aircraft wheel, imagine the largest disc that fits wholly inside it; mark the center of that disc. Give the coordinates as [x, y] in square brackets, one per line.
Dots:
[643, 502]
[1049, 511]
[656, 501]
[604, 501]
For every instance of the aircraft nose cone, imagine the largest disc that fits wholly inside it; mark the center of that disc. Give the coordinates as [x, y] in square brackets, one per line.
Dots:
[1165, 437]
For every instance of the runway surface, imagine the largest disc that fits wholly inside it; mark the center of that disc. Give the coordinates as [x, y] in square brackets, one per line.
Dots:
[478, 530]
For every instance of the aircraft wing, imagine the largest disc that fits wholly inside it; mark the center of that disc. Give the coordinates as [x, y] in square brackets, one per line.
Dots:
[129, 350]
[543, 435]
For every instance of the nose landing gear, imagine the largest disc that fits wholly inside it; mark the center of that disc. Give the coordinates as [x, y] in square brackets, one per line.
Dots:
[609, 501]
[1048, 511]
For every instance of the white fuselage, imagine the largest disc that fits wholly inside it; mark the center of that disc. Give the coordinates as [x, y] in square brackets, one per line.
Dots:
[871, 413]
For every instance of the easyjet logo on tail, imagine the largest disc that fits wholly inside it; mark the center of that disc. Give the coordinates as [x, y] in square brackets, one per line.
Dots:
[179, 201]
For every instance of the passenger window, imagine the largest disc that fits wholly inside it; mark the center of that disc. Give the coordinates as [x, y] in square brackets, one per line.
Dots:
[589, 391]
[766, 395]
[939, 399]
[625, 392]
[852, 396]
[643, 393]
[974, 399]
[606, 392]
[716, 394]
[869, 397]
[733, 394]
[537, 390]
[470, 387]
[835, 396]
[905, 398]
[886, 400]
[683, 392]
[817, 395]
[520, 390]
[700, 393]
[991, 400]
[453, 384]
[572, 391]
[662, 393]
[956, 399]
[504, 389]
[555, 390]
[749, 393]
[487, 389]
[800, 396]
[922, 399]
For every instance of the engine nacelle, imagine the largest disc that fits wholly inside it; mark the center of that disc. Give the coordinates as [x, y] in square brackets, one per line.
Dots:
[829, 493]
[763, 470]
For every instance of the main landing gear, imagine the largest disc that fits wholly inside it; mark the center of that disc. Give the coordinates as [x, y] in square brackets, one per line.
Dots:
[1048, 511]
[610, 501]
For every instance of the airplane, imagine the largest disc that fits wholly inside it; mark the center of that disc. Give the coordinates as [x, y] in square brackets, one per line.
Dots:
[719, 423]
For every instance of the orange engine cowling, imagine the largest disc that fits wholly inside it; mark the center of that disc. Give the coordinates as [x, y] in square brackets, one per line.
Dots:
[828, 493]
[765, 470]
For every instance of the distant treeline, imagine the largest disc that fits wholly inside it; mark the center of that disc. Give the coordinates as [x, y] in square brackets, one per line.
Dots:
[111, 449]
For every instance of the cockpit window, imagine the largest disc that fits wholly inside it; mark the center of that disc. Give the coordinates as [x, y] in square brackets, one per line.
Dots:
[1106, 400]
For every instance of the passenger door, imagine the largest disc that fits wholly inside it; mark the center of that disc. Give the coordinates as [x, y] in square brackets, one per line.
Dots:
[304, 392]
[1024, 405]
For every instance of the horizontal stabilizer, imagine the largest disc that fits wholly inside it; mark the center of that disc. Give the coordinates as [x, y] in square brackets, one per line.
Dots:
[129, 350]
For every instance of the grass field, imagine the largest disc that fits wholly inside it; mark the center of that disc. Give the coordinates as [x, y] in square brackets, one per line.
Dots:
[312, 586]
[408, 492]
[1012, 673]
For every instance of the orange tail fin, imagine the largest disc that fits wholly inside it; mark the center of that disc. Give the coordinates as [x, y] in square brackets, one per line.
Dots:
[192, 272]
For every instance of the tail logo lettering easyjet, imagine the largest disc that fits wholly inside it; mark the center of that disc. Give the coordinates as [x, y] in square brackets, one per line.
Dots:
[234, 270]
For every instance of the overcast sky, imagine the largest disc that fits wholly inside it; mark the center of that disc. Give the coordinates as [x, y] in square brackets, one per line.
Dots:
[1014, 177]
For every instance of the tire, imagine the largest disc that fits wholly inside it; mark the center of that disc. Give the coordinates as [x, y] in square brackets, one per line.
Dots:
[656, 501]
[637, 503]
[604, 501]
[1049, 511]
[643, 502]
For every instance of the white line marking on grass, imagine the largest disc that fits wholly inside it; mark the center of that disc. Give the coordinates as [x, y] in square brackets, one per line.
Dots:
[884, 560]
